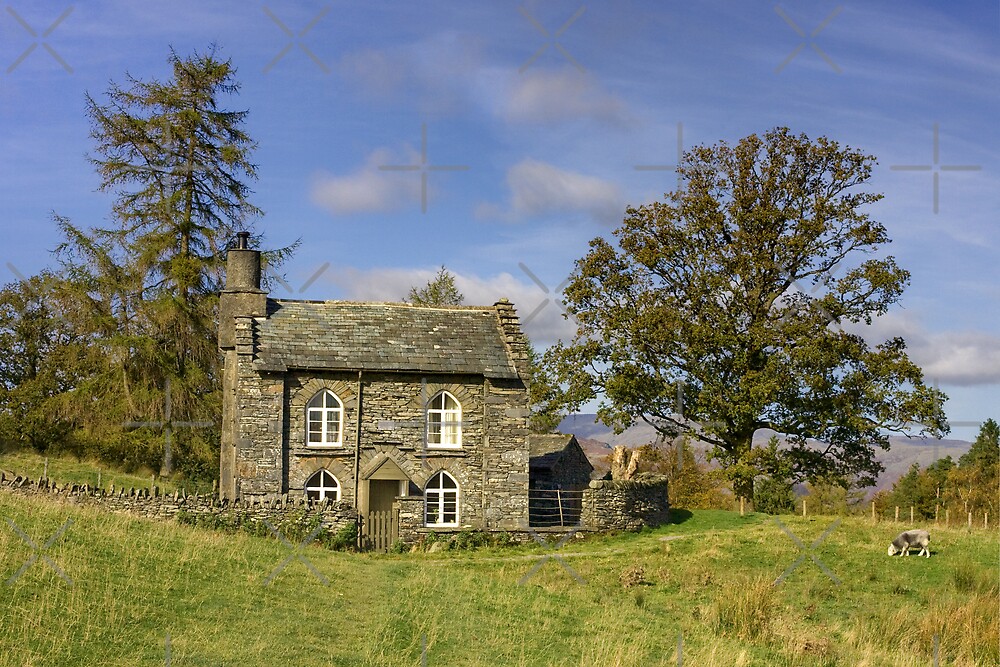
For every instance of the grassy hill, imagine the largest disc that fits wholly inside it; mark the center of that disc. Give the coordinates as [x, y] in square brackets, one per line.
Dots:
[627, 601]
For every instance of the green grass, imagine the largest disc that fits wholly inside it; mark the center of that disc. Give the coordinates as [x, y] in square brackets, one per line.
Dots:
[708, 576]
[66, 469]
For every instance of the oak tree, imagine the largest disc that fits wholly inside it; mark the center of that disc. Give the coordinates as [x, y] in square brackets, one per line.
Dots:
[737, 304]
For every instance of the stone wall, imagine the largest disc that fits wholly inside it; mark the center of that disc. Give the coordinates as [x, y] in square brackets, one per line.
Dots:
[259, 421]
[505, 461]
[411, 518]
[272, 457]
[607, 505]
[625, 504]
[151, 504]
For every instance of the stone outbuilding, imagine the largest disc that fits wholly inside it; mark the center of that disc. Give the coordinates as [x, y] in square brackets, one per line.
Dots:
[557, 461]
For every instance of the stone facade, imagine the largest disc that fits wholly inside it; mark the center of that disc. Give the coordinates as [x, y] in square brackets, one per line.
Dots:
[384, 363]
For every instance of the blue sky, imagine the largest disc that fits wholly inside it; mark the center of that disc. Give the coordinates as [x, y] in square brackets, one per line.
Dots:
[537, 115]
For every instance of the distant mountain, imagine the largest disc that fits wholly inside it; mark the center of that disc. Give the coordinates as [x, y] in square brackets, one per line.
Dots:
[598, 440]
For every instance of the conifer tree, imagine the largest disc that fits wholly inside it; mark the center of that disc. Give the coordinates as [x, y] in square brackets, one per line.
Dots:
[178, 164]
[439, 291]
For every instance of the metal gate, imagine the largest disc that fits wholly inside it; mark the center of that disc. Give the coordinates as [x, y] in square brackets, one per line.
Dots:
[380, 531]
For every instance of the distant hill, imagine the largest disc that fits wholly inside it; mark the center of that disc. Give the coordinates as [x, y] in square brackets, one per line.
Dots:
[598, 440]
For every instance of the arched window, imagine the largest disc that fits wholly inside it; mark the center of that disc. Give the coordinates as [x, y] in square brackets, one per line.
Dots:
[444, 421]
[441, 501]
[323, 486]
[324, 420]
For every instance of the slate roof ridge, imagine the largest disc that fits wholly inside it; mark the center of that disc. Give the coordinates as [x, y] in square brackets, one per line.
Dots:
[394, 304]
[541, 444]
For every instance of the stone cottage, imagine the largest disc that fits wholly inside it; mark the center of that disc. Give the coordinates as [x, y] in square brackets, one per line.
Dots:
[408, 418]
[371, 403]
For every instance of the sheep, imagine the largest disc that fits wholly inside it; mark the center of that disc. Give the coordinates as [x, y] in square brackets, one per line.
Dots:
[911, 538]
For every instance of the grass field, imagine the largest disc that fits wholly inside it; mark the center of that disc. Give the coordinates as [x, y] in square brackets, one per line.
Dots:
[67, 469]
[704, 582]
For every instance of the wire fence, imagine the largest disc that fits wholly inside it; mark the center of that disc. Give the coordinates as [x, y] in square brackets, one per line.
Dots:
[554, 508]
[965, 516]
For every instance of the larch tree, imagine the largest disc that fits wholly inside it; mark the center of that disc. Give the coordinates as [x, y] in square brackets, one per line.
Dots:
[439, 291]
[721, 311]
[178, 164]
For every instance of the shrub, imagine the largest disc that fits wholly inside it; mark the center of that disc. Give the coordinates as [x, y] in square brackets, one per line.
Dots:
[773, 496]
[346, 539]
[467, 540]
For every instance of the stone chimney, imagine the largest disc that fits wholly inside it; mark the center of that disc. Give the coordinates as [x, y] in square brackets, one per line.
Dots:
[243, 295]
[510, 324]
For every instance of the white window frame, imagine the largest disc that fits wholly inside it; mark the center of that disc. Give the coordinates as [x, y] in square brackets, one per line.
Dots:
[324, 410]
[441, 501]
[449, 421]
[322, 488]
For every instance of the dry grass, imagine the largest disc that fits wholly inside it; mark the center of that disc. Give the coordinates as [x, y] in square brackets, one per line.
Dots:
[745, 609]
[134, 581]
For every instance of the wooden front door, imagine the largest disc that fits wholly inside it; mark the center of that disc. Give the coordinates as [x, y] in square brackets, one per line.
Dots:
[381, 494]
[381, 528]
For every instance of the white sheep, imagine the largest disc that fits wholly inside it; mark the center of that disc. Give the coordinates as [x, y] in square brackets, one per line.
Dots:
[911, 538]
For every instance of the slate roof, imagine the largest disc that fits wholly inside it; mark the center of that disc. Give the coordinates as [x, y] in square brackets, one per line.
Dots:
[546, 449]
[344, 335]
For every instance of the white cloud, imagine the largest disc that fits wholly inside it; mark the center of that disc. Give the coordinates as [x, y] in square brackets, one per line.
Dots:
[435, 74]
[541, 317]
[369, 189]
[962, 358]
[445, 73]
[548, 96]
[538, 188]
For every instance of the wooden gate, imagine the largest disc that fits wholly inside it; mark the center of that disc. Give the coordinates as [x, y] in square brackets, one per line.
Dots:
[381, 530]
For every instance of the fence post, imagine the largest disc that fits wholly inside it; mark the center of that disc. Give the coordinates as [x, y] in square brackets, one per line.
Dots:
[559, 500]
[742, 499]
[911, 514]
[897, 513]
[873, 511]
[98, 478]
[46, 473]
[803, 507]
[970, 519]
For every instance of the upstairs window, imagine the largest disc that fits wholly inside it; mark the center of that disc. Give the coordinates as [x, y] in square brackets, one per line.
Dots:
[324, 420]
[444, 421]
[322, 486]
[441, 501]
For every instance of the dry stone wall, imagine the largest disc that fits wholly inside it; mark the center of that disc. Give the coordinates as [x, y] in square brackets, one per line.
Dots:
[625, 504]
[151, 504]
[607, 505]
